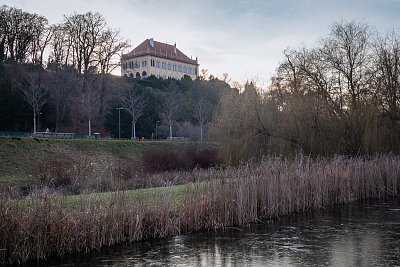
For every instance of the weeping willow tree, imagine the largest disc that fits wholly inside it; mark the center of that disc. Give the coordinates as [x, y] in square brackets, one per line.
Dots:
[340, 96]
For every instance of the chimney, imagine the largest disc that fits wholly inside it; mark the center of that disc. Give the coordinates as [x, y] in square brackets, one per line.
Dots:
[175, 48]
[151, 43]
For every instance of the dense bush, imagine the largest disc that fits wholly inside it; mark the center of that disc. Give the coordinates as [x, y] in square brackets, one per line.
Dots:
[168, 159]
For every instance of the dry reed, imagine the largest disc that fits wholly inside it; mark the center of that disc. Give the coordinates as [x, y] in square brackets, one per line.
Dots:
[231, 196]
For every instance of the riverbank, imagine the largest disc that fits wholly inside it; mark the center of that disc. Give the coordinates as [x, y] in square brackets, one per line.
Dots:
[234, 196]
[362, 233]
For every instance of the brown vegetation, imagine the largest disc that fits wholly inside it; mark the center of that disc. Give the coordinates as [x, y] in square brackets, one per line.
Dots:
[156, 159]
[232, 196]
[339, 97]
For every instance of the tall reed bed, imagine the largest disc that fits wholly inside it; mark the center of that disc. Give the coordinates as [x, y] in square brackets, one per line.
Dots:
[230, 196]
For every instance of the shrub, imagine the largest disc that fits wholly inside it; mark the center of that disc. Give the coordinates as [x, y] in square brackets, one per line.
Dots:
[54, 172]
[156, 159]
[159, 159]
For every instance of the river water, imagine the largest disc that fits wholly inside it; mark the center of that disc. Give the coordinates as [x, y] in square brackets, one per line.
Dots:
[358, 234]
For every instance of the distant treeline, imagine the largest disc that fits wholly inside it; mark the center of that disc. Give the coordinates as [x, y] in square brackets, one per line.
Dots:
[185, 104]
[341, 96]
[73, 91]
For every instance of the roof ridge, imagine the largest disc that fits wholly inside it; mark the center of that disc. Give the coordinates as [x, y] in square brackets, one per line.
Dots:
[157, 48]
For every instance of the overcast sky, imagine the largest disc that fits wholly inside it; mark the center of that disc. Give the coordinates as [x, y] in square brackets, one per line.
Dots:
[243, 38]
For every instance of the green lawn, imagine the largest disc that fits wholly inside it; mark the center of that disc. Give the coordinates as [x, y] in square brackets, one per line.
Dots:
[136, 195]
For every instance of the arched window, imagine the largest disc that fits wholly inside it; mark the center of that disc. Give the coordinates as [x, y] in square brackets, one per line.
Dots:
[131, 75]
[144, 74]
[126, 76]
[138, 75]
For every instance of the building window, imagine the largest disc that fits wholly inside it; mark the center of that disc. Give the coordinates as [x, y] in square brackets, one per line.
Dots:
[158, 63]
[195, 71]
[137, 64]
[184, 69]
[152, 62]
[144, 63]
[164, 64]
[190, 70]
[180, 68]
[169, 65]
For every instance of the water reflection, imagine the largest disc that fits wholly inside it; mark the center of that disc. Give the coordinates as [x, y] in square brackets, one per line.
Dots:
[363, 234]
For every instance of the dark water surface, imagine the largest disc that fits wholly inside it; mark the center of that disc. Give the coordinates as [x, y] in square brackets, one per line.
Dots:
[360, 234]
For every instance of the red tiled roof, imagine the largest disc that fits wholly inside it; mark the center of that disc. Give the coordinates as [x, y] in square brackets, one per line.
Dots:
[160, 50]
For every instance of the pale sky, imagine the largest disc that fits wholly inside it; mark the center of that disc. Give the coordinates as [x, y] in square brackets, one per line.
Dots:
[243, 38]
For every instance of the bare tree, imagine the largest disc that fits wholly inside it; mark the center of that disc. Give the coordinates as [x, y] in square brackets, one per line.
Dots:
[61, 46]
[63, 86]
[346, 52]
[19, 32]
[134, 104]
[35, 94]
[42, 37]
[107, 57]
[201, 112]
[85, 31]
[169, 110]
[3, 31]
[387, 70]
[90, 101]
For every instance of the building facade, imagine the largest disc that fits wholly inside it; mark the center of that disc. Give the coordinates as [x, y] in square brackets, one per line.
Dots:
[158, 59]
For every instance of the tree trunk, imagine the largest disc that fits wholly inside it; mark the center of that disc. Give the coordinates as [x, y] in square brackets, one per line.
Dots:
[134, 130]
[34, 122]
[90, 129]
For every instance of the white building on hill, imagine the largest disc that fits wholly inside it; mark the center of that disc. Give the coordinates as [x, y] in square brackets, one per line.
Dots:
[158, 59]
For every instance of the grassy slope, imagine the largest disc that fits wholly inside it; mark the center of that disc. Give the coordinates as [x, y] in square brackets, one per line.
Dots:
[135, 195]
[18, 155]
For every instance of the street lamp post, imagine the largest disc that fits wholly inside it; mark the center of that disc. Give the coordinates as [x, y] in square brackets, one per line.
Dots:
[156, 129]
[119, 122]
